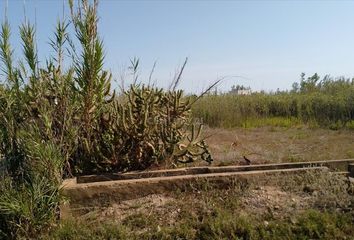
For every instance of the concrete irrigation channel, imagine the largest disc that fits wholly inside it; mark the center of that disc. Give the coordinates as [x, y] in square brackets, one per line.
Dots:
[100, 190]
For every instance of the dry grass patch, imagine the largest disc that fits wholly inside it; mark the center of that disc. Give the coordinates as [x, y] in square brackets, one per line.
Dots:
[275, 145]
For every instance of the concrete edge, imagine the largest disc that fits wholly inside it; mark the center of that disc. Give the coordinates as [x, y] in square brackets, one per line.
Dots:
[340, 164]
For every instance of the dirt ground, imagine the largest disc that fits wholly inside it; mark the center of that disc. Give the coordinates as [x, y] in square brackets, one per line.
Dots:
[260, 145]
[275, 145]
[280, 200]
[260, 201]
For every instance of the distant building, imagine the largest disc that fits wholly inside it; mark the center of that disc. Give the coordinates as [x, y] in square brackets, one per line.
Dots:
[240, 90]
[243, 92]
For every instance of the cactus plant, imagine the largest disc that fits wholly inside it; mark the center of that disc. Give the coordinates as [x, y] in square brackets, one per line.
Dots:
[151, 126]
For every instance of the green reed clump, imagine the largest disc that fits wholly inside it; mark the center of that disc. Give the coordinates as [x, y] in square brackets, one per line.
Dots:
[36, 136]
[329, 103]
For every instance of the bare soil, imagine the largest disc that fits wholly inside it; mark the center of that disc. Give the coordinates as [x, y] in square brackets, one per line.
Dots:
[276, 145]
[280, 198]
[270, 201]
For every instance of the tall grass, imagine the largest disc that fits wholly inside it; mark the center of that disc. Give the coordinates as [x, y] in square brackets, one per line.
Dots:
[329, 103]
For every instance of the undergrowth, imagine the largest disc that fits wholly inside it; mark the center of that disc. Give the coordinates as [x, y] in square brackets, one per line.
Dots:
[311, 224]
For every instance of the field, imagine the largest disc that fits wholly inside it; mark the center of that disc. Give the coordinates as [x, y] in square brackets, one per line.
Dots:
[61, 119]
[316, 205]
[279, 144]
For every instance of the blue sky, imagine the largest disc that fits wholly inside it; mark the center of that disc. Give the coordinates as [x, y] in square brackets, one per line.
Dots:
[269, 43]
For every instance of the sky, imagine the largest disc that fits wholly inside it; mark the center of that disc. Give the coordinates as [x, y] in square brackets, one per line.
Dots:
[262, 44]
